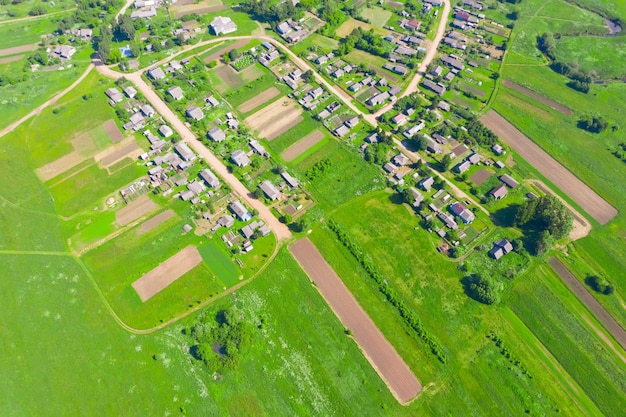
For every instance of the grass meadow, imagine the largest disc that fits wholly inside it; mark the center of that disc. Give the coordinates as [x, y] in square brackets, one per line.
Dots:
[478, 379]
[587, 155]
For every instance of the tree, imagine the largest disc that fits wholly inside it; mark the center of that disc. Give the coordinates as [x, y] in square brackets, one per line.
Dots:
[599, 284]
[124, 29]
[234, 54]
[308, 76]
[553, 216]
[484, 289]
[103, 43]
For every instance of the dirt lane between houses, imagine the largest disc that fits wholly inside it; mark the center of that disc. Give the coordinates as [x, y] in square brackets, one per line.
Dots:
[376, 348]
[583, 195]
[167, 272]
[593, 305]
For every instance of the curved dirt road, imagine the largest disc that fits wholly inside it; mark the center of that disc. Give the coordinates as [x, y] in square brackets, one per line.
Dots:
[280, 230]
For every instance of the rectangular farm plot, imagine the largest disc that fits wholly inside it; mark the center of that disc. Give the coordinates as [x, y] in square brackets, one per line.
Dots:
[113, 131]
[262, 98]
[376, 348]
[229, 77]
[134, 210]
[302, 145]
[275, 119]
[129, 151]
[169, 271]
[219, 263]
[581, 193]
[156, 221]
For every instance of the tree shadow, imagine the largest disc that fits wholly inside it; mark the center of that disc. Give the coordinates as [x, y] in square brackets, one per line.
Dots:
[396, 198]
[505, 217]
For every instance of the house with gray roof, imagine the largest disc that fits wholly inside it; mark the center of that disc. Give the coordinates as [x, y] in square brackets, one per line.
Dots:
[223, 25]
[183, 150]
[114, 95]
[195, 113]
[130, 91]
[509, 181]
[500, 248]
[156, 73]
[176, 92]
[462, 167]
[258, 148]
[270, 190]
[240, 158]
[293, 183]
[216, 134]
[427, 183]
[240, 211]
[210, 178]
[499, 192]
[166, 131]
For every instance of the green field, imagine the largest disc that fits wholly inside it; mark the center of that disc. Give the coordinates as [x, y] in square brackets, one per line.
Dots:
[604, 57]
[376, 15]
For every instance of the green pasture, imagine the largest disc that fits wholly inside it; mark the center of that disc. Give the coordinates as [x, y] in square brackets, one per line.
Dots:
[348, 176]
[25, 32]
[431, 286]
[543, 303]
[376, 15]
[299, 131]
[604, 57]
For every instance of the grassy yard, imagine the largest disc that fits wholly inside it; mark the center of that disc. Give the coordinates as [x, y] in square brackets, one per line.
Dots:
[376, 15]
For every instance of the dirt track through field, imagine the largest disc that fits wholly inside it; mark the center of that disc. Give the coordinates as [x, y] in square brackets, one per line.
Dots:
[18, 49]
[376, 348]
[11, 59]
[114, 132]
[275, 119]
[169, 271]
[545, 100]
[134, 210]
[255, 102]
[185, 10]
[155, 221]
[302, 145]
[592, 304]
[577, 190]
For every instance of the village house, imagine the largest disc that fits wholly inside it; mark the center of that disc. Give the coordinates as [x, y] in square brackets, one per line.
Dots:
[240, 158]
[400, 159]
[240, 211]
[143, 13]
[427, 183]
[509, 181]
[210, 178]
[194, 112]
[114, 95]
[216, 134]
[130, 91]
[166, 131]
[176, 92]
[270, 190]
[462, 167]
[147, 110]
[500, 248]
[65, 51]
[223, 25]
[499, 192]
[293, 183]
[417, 196]
[258, 148]
[156, 73]
[377, 99]
[462, 212]
[183, 150]
[437, 88]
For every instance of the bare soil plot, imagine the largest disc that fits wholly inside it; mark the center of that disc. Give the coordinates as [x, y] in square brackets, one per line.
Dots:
[185, 7]
[11, 59]
[127, 151]
[592, 304]
[480, 176]
[545, 100]
[376, 348]
[255, 102]
[583, 195]
[64, 163]
[169, 271]
[155, 221]
[113, 131]
[229, 76]
[275, 119]
[218, 54]
[134, 210]
[302, 145]
[18, 49]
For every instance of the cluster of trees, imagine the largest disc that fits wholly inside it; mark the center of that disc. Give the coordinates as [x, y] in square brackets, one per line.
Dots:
[365, 40]
[220, 339]
[319, 169]
[600, 285]
[479, 133]
[508, 354]
[543, 219]
[484, 289]
[390, 294]
[272, 14]
[377, 153]
[593, 124]
[579, 81]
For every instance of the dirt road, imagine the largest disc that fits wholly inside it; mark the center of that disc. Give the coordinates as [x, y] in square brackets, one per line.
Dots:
[592, 304]
[577, 190]
[280, 230]
[376, 348]
[431, 52]
[53, 100]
